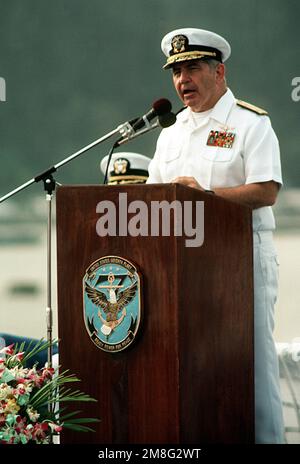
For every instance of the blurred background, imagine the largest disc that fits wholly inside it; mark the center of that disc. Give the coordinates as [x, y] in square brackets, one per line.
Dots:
[74, 70]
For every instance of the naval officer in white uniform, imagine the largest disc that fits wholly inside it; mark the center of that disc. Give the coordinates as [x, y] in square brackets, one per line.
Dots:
[228, 146]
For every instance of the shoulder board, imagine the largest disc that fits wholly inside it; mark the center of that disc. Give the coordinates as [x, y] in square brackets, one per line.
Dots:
[250, 107]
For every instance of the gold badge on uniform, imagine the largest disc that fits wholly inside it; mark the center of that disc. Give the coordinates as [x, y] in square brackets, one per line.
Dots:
[221, 139]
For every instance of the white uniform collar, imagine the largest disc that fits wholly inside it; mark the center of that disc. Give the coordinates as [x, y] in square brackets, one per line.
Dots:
[220, 111]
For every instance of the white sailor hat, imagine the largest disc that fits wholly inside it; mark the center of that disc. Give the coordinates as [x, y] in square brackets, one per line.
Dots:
[126, 168]
[194, 44]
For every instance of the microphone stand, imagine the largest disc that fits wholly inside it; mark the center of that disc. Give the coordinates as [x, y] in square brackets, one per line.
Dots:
[123, 140]
[124, 129]
[49, 182]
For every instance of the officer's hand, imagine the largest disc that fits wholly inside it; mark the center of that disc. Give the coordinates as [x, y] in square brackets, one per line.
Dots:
[188, 181]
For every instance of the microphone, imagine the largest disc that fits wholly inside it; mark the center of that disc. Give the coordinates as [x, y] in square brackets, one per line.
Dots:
[165, 120]
[160, 107]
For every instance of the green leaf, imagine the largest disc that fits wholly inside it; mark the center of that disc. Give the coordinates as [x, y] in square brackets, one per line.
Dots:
[84, 420]
[41, 345]
[64, 417]
[23, 399]
[6, 376]
[77, 428]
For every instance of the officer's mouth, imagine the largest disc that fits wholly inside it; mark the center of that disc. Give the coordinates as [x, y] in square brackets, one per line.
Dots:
[186, 93]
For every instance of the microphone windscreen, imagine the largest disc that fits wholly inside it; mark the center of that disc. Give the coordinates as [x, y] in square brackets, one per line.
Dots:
[162, 106]
[166, 120]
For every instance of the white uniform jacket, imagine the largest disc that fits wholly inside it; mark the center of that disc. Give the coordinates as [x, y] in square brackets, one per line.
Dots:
[184, 150]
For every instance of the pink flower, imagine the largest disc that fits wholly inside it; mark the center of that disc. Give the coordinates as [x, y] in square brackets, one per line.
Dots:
[39, 429]
[47, 372]
[33, 415]
[7, 350]
[21, 380]
[55, 428]
[37, 379]
[20, 390]
[17, 356]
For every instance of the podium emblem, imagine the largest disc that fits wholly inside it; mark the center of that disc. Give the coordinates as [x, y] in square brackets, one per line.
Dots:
[112, 303]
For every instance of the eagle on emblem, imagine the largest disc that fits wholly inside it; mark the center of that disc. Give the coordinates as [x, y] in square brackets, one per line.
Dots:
[112, 305]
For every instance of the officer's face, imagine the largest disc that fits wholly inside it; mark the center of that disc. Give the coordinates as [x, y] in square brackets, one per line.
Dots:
[198, 85]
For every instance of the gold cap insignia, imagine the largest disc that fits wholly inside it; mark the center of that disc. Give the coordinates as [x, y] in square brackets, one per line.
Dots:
[120, 166]
[179, 43]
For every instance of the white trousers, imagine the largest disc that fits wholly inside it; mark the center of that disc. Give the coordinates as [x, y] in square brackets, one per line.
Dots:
[269, 426]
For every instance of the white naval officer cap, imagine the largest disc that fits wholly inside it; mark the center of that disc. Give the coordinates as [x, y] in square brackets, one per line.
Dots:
[194, 44]
[126, 168]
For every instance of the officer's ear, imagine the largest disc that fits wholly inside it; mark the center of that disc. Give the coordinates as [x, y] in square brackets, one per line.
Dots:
[220, 72]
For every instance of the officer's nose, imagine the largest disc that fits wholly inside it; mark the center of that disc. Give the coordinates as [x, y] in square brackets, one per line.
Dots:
[184, 76]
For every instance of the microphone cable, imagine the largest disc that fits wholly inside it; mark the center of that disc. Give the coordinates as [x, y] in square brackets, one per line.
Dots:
[110, 153]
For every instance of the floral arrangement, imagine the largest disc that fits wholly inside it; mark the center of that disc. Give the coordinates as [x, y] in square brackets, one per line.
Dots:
[31, 398]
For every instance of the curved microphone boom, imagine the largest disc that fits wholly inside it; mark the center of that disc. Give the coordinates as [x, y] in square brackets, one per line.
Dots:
[161, 108]
[165, 120]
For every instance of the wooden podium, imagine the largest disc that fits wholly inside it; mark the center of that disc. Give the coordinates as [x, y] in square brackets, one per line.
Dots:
[188, 378]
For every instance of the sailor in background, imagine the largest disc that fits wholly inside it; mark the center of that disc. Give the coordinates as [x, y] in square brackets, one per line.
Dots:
[228, 146]
[126, 168]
